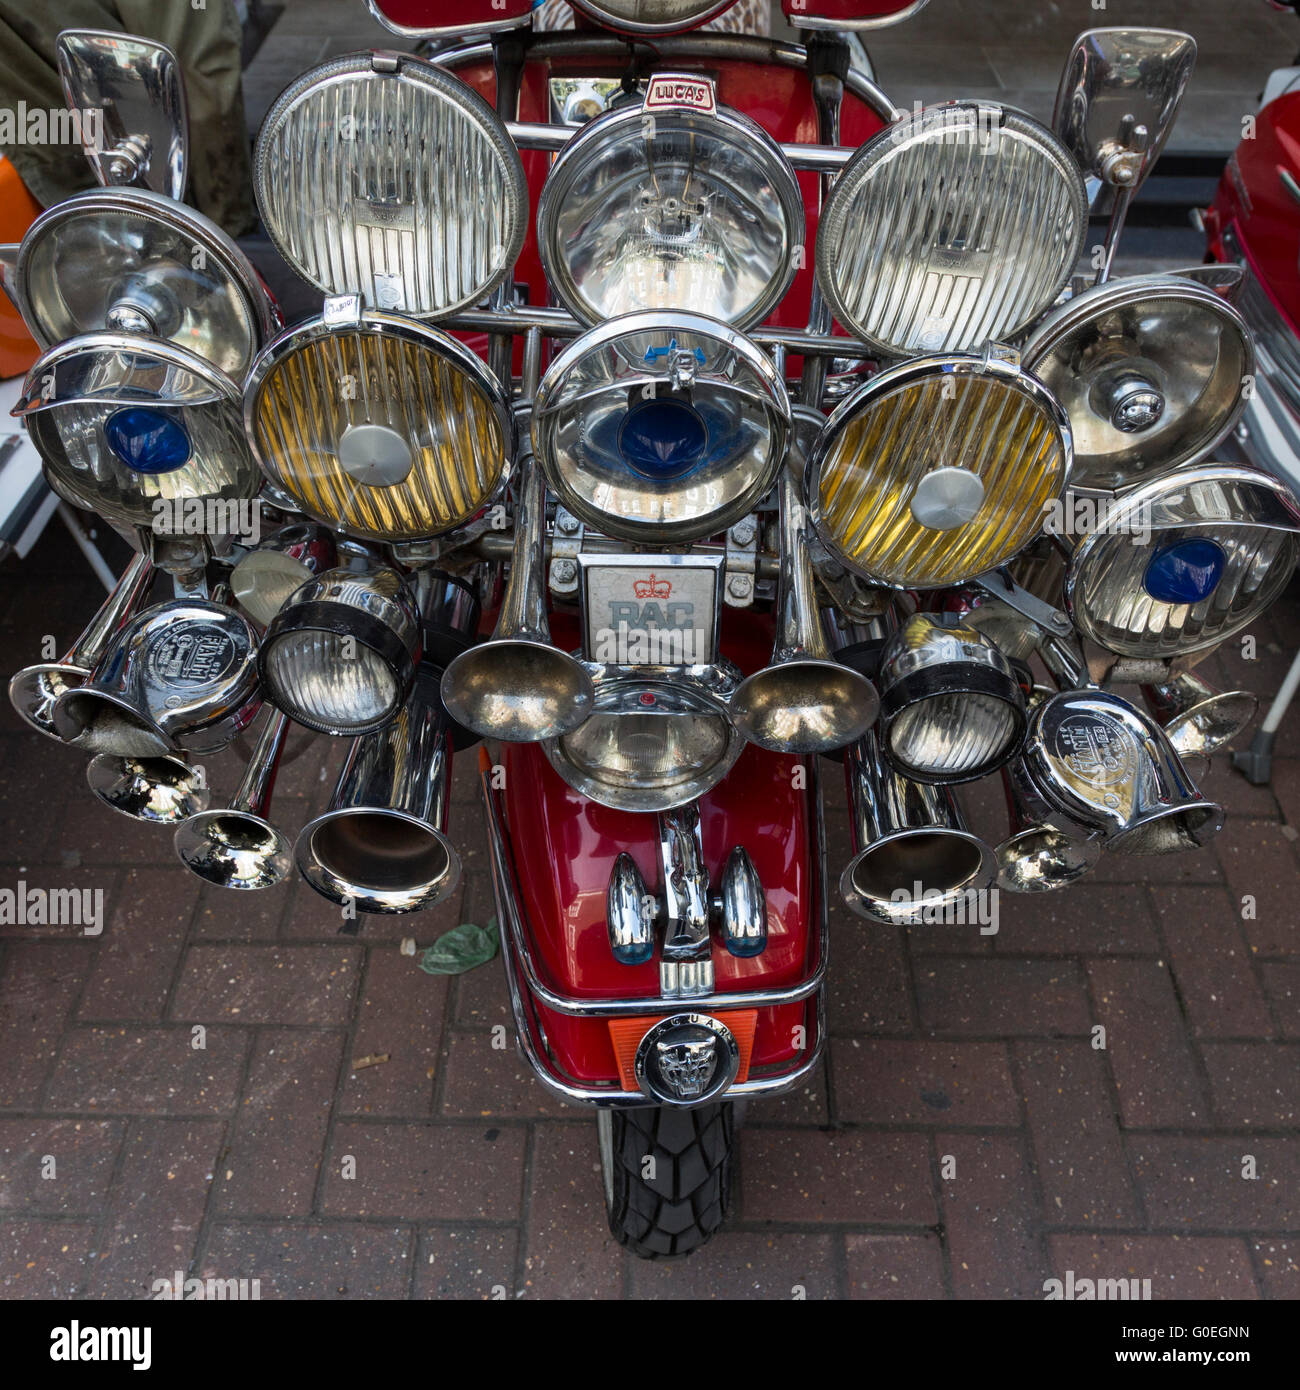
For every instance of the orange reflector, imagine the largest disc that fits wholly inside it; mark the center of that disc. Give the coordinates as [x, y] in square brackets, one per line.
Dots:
[626, 1035]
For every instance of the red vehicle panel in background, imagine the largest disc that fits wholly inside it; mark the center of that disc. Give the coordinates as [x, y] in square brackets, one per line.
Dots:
[1253, 197]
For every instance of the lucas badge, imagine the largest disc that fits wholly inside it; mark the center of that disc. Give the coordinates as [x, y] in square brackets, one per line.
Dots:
[686, 1060]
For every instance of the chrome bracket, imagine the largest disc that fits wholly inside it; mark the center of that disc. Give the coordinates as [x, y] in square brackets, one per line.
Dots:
[1000, 585]
[742, 562]
[566, 546]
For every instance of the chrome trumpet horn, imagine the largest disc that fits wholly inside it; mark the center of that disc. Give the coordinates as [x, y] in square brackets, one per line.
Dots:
[1198, 719]
[238, 847]
[518, 686]
[913, 852]
[804, 701]
[1096, 761]
[1038, 857]
[179, 676]
[381, 846]
[159, 791]
[33, 691]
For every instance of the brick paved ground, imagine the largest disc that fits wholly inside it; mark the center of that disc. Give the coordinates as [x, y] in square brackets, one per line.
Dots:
[228, 1161]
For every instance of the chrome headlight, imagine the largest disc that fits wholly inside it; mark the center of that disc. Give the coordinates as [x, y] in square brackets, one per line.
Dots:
[1221, 547]
[661, 428]
[378, 425]
[382, 175]
[951, 709]
[123, 422]
[340, 656]
[938, 470]
[950, 229]
[1150, 371]
[652, 16]
[133, 261]
[671, 208]
[651, 743]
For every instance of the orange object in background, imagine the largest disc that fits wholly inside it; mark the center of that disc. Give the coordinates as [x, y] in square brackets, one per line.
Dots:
[18, 210]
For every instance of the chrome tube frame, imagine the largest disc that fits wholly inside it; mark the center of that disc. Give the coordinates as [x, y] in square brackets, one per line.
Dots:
[527, 990]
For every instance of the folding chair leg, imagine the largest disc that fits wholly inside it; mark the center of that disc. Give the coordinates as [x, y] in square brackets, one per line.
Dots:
[1256, 762]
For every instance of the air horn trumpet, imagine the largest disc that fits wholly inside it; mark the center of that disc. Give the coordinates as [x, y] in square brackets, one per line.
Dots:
[160, 791]
[1199, 719]
[33, 691]
[238, 847]
[913, 852]
[381, 846]
[1038, 857]
[804, 701]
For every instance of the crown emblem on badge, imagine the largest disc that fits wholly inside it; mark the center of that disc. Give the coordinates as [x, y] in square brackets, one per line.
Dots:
[652, 587]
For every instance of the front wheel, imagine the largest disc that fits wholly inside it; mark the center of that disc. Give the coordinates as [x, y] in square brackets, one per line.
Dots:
[667, 1173]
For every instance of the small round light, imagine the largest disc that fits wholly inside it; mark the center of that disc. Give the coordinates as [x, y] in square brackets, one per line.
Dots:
[382, 175]
[146, 440]
[951, 708]
[950, 229]
[1185, 571]
[661, 428]
[340, 655]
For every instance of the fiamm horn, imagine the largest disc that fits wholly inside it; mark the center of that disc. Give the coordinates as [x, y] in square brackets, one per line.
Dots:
[519, 686]
[804, 701]
[381, 846]
[34, 689]
[913, 851]
[239, 847]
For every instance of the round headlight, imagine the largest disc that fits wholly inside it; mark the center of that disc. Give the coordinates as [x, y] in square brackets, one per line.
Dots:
[382, 175]
[340, 656]
[134, 261]
[671, 209]
[950, 229]
[938, 470]
[661, 428]
[377, 425]
[951, 709]
[1184, 561]
[1150, 371]
[123, 422]
[650, 744]
[652, 16]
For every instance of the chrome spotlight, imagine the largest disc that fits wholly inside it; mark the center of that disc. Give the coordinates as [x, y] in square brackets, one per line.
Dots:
[238, 847]
[339, 656]
[912, 849]
[33, 691]
[381, 846]
[951, 708]
[160, 791]
[180, 677]
[1093, 759]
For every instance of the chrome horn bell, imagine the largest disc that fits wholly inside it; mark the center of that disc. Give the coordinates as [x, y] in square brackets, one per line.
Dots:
[238, 847]
[804, 701]
[381, 846]
[159, 791]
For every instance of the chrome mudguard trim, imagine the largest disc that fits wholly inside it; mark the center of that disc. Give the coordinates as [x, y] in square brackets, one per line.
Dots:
[522, 982]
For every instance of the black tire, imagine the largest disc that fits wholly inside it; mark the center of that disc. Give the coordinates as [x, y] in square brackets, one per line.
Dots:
[684, 1203]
